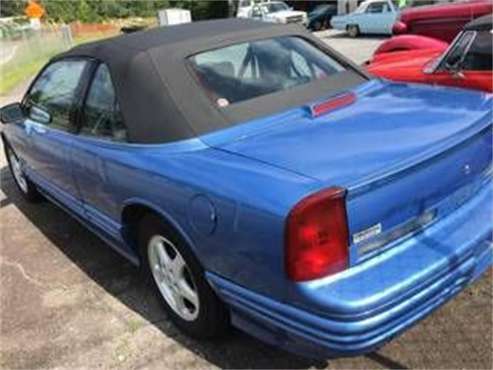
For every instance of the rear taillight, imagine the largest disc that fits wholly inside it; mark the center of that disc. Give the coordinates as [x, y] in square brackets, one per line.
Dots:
[316, 239]
[399, 28]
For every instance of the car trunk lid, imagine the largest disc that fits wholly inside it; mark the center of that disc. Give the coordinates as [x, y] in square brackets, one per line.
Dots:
[407, 155]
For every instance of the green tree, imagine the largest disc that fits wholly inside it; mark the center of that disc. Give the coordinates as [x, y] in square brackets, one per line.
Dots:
[100, 10]
[85, 12]
[61, 11]
[12, 8]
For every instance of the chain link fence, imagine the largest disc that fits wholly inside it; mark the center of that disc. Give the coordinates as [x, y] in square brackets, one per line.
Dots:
[23, 51]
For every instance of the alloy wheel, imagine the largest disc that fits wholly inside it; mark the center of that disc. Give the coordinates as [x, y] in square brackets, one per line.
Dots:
[353, 31]
[173, 278]
[17, 172]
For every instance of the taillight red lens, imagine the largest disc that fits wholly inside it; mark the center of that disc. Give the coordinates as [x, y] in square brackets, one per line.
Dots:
[316, 242]
[399, 28]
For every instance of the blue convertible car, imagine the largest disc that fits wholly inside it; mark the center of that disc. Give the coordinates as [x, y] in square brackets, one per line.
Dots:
[262, 180]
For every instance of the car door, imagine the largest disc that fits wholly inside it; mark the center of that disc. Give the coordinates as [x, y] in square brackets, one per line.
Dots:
[389, 17]
[374, 17]
[50, 105]
[97, 151]
[467, 63]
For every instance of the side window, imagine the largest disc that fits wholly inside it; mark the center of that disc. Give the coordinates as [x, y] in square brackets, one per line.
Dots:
[101, 116]
[376, 8]
[478, 58]
[256, 12]
[53, 93]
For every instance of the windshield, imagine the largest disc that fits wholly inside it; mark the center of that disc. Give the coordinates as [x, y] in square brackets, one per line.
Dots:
[458, 49]
[274, 7]
[361, 8]
[478, 57]
[244, 71]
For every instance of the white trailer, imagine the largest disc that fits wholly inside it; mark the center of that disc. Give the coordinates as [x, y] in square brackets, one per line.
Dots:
[168, 17]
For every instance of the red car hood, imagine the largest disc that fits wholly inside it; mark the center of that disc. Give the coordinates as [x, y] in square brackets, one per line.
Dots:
[413, 59]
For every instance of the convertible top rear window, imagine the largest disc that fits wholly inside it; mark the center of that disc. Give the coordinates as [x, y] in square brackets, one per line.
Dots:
[251, 69]
[163, 100]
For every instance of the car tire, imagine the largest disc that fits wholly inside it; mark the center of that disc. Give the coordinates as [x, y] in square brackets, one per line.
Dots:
[317, 26]
[26, 187]
[352, 30]
[187, 297]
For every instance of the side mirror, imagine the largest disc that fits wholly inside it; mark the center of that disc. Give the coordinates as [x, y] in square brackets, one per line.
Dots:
[39, 115]
[455, 70]
[11, 113]
[457, 74]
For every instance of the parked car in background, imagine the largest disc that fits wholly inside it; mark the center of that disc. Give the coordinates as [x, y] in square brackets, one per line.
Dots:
[263, 180]
[442, 21]
[245, 6]
[410, 42]
[467, 62]
[371, 17]
[319, 18]
[275, 12]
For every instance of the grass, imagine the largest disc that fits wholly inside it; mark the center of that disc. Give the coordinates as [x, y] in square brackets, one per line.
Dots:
[134, 325]
[14, 76]
[31, 54]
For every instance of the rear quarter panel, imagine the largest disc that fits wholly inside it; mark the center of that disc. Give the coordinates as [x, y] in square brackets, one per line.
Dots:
[230, 209]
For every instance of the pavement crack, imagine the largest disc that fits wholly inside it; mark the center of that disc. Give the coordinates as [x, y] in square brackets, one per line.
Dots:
[18, 266]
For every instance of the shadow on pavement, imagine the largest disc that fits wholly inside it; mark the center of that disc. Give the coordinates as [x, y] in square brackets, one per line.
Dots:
[123, 281]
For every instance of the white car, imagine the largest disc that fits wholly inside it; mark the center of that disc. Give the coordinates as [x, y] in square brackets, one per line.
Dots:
[272, 11]
[371, 17]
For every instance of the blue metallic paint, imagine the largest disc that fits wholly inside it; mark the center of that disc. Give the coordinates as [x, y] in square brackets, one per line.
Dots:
[358, 310]
[400, 150]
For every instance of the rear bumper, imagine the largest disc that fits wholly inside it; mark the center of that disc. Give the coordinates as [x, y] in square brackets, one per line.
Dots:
[359, 310]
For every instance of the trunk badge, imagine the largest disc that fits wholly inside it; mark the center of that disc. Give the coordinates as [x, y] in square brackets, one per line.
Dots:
[367, 233]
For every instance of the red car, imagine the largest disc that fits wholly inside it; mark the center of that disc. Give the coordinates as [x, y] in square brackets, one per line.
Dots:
[467, 62]
[443, 21]
[410, 42]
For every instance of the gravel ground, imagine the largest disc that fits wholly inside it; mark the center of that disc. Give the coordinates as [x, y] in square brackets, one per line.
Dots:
[359, 49]
[68, 301]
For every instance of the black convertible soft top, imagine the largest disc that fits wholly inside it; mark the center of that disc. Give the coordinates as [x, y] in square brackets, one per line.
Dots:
[161, 100]
[483, 23]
